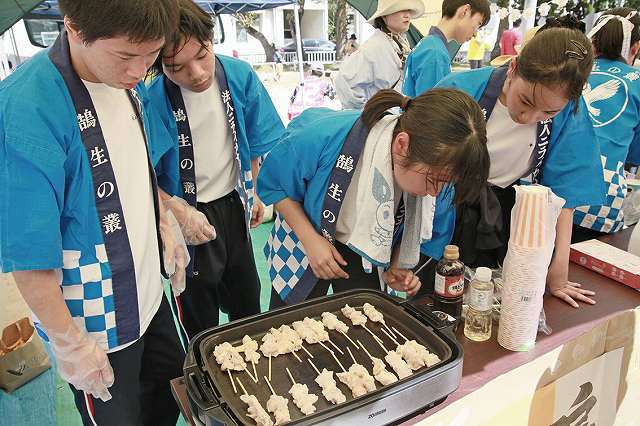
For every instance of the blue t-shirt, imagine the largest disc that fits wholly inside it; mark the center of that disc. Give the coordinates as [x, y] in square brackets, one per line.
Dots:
[48, 215]
[612, 96]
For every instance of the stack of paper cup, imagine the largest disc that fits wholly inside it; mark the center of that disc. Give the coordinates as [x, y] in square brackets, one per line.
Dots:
[533, 223]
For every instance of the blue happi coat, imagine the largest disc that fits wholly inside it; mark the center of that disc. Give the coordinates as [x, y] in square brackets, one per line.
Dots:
[572, 164]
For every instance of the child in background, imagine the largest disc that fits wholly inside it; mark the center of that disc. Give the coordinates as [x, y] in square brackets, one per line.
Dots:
[318, 91]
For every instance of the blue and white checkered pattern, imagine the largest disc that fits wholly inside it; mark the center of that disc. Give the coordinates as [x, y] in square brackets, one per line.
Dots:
[607, 218]
[88, 293]
[286, 257]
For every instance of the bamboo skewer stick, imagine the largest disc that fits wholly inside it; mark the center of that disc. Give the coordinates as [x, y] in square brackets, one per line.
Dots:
[255, 373]
[242, 386]
[314, 366]
[352, 357]
[347, 336]
[372, 333]
[388, 329]
[365, 350]
[269, 383]
[337, 348]
[293, 382]
[389, 336]
[249, 374]
[334, 356]
[305, 349]
[296, 355]
[378, 341]
[269, 367]
[401, 335]
[233, 383]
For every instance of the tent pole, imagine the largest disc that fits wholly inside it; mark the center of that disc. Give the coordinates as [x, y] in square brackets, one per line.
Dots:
[15, 47]
[296, 16]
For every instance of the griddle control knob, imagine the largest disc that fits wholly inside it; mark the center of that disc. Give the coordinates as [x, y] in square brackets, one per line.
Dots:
[443, 316]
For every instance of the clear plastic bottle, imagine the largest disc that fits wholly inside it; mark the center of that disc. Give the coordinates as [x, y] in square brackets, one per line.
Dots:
[478, 322]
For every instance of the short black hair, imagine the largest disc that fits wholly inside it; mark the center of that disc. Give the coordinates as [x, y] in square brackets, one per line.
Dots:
[450, 7]
[517, 22]
[139, 20]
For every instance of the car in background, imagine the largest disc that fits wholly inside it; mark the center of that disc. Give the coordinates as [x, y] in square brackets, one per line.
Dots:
[309, 45]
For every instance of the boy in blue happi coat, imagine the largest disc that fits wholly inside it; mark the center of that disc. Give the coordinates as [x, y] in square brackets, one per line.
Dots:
[83, 231]
[537, 126]
[222, 121]
[430, 60]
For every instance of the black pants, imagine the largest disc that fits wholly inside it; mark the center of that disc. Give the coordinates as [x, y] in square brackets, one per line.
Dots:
[580, 234]
[141, 394]
[358, 278]
[227, 277]
[475, 63]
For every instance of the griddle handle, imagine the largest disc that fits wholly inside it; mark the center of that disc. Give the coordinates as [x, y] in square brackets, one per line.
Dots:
[203, 399]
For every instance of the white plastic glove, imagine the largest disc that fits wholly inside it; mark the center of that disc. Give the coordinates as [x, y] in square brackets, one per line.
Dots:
[176, 255]
[194, 225]
[82, 362]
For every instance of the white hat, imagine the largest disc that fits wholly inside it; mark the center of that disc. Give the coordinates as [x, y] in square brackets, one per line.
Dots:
[317, 66]
[388, 7]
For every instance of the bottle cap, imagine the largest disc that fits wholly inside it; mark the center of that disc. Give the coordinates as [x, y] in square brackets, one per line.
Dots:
[483, 274]
[451, 252]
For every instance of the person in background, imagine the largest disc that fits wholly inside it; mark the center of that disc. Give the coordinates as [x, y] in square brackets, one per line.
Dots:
[538, 128]
[338, 180]
[379, 63]
[351, 45]
[510, 39]
[82, 227]
[477, 49]
[612, 96]
[278, 66]
[430, 60]
[221, 121]
[318, 91]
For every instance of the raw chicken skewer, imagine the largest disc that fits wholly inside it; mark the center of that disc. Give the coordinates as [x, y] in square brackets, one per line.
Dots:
[358, 319]
[254, 409]
[394, 359]
[357, 378]
[250, 349]
[230, 359]
[333, 323]
[375, 316]
[329, 389]
[281, 341]
[333, 354]
[416, 355]
[379, 369]
[312, 331]
[278, 406]
[301, 396]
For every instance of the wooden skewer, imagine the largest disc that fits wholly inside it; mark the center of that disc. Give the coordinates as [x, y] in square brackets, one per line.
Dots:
[372, 333]
[365, 349]
[296, 355]
[337, 348]
[378, 341]
[255, 373]
[305, 349]
[233, 383]
[269, 383]
[242, 386]
[389, 336]
[333, 354]
[347, 336]
[402, 335]
[314, 366]
[290, 376]
[352, 357]
[249, 374]
[269, 367]
[388, 329]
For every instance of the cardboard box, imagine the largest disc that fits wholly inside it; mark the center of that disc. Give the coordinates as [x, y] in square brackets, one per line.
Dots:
[619, 265]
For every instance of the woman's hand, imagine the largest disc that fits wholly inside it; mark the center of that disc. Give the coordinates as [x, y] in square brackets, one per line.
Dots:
[402, 280]
[324, 258]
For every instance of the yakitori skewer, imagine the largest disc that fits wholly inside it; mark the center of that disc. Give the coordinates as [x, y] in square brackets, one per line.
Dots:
[278, 406]
[301, 396]
[379, 370]
[254, 408]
